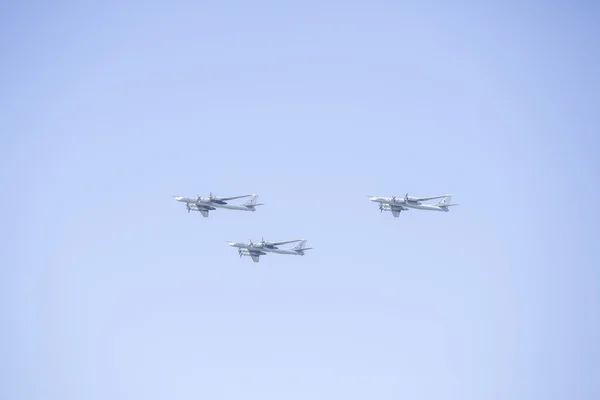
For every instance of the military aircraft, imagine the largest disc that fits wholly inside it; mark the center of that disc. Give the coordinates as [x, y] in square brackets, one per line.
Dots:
[255, 250]
[206, 204]
[397, 205]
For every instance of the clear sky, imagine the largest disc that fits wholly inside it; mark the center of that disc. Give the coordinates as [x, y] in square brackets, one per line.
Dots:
[109, 289]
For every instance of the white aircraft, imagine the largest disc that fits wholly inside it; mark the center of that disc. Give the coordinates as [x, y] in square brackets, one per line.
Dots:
[255, 250]
[206, 204]
[396, 205]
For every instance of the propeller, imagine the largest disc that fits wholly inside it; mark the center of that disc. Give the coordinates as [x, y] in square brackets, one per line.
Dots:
[187, 205]
[240, 253]
[393, 199]
[406, 197]
[381, 208]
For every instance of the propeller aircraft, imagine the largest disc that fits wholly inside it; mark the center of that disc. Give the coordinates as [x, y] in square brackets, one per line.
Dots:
[206, 204]
[397, 205]
[255, 250]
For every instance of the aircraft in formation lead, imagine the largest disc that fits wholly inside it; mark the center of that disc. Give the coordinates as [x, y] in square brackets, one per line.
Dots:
[255, 250]
[396, 205]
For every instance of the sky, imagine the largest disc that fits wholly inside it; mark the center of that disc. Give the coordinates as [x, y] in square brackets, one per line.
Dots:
[110, 289]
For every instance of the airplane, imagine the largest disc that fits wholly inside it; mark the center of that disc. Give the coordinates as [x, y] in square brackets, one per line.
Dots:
[210, 199]
[255, 250]
[396, 206]
[206, 204]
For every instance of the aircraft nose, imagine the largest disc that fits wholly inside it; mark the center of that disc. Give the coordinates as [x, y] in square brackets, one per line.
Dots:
[233, 244]
[373, 198]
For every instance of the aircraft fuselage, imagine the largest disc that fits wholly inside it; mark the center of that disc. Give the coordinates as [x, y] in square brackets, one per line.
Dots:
[185, 199]
[281, 251]
[430, 207]
[232, 207]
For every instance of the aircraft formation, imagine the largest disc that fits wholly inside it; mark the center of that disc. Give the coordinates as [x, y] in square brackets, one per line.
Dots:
[254, 250]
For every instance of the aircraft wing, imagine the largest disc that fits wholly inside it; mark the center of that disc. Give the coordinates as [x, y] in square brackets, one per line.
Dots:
[289, 241]
[254, 255]
[234, 197]
[203, 210]
[429, 198]
[395, 209]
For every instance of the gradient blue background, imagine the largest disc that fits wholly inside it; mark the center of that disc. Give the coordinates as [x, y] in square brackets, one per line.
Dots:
[110, 290]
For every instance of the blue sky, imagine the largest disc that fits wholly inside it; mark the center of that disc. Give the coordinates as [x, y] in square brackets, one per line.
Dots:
[111, 290]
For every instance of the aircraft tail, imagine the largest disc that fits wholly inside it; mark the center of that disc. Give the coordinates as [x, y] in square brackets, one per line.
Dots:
[301, 247]
[445, 201]
[251, 203]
